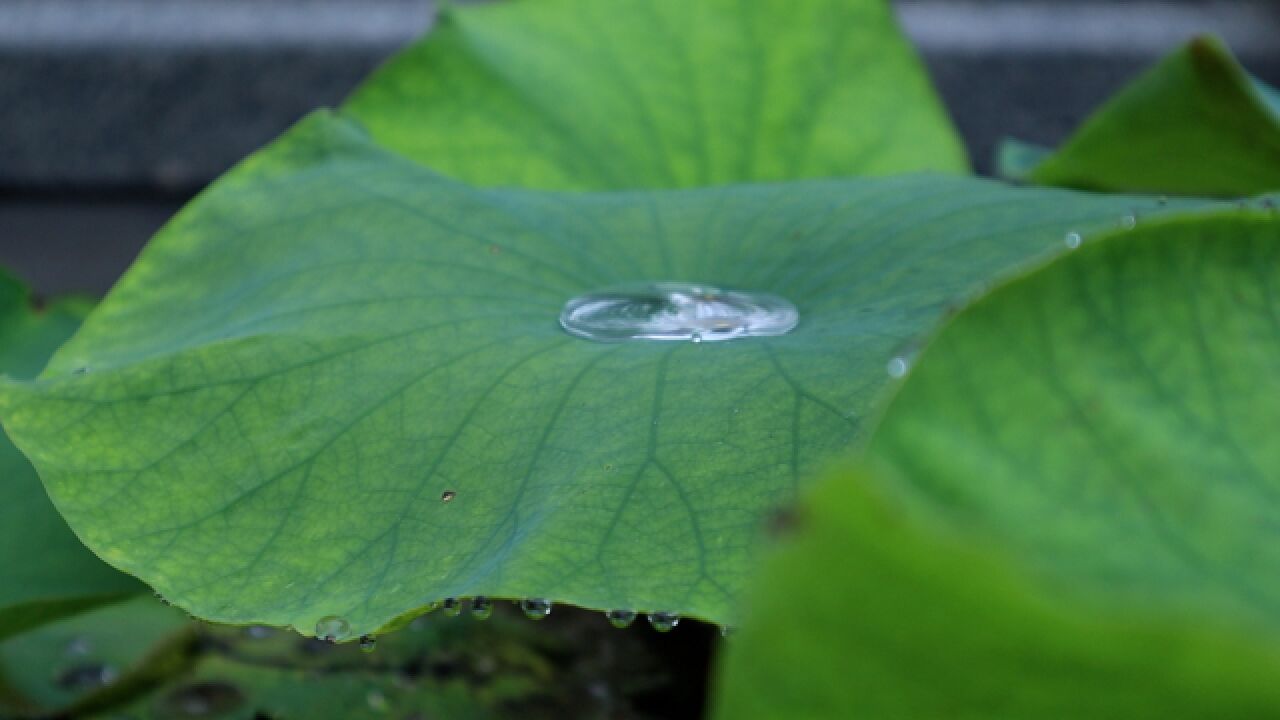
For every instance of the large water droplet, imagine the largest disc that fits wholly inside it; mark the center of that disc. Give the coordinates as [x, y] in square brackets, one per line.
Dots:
[1073, 240]
[663, 621]
[452, 607]
[621, 618]
[898, 367]
[535, 608]
[368, 643]
[332, 628]
[676, 311]
[481, 607]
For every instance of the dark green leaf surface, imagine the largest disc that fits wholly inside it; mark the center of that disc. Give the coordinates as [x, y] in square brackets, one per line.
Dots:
[1073, 510]
[45, 572]
[283, 389]
[578, 94]
[1196, 124]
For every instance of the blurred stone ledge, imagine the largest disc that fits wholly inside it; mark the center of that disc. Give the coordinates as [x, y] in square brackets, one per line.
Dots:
[166, 94]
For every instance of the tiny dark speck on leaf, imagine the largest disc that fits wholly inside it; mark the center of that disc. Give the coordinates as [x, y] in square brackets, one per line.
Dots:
[784, 521]
[448, 496]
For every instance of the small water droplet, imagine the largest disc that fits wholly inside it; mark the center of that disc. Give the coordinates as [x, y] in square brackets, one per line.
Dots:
[1073, 240]
[621, 618]
[898, 367]
[377, 701]
[452, 607]
[481, 607]
[204, 699]
[1129, 222]
[1163, 201]
[448, 496]
[368, 643]
[663, 621]
[87, 677]
[676, 311]
[79, 646]
[332, 628]
[535, 608]
[83, 370]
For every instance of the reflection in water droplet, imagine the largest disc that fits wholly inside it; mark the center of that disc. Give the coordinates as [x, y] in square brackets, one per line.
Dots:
[452, 607]
[332, 628]
[1073, 240]
[481, 607]
[377, 701]
[898, 367]
[663, 621]
[1129, 222]
[621, 618]
[535, 608]
[368, 643]
[676, 311]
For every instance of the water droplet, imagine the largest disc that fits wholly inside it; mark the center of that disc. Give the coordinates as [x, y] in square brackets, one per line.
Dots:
[86, 677]
[1073, 240]
[663, 621]
[481, 607]
[898, 367]
[332, 628]
[368, 643]
[259, 632]
[727, 631]
[452, 607]
[1129, 222]
[1163, 201]
[83, 370]
[377, 701]
[535, 608]
[79, 646]
[448, 496]
[676, 311]
[621, 618]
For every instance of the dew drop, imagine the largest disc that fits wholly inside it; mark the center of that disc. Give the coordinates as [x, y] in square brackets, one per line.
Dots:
[898, 367]
[1073, 240]
[452, 607]
[368, 643]
[377, 701]
[332, 628]
[621, 618]
[535, 608]
[663, 621]
[1129, 222]
[481, 607]
[448, 496]
[83, 370]
[676, 311]
[204, 699]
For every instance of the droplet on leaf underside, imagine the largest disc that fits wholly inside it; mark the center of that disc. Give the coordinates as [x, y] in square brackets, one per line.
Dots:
[676, 311]
[332, 628]
[481, 607]
[663, 621]
[621, 618]
[535, 608]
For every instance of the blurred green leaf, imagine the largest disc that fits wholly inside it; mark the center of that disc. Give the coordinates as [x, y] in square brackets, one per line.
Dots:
[1070, 508]
[584, 95]
[45, 572]
[1196, 124]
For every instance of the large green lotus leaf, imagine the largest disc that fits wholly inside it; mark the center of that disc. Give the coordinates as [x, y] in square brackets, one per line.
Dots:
[1196, 124]
[580, 94]
[336, 383]
[45, 572]
[1072, 509]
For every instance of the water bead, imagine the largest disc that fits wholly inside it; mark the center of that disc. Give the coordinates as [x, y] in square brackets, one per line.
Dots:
[676, 311]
